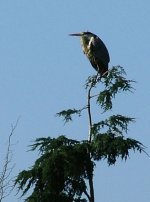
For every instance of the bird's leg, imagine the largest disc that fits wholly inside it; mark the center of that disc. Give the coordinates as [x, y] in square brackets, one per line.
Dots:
[97, 78]
[105, 73]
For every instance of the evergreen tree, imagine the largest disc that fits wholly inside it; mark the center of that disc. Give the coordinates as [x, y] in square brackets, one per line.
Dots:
[65, 168]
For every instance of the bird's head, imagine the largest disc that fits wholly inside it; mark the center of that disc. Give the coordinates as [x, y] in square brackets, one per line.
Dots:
[86, 35]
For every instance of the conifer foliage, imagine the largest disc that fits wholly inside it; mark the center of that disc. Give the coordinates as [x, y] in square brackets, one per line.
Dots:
[65, 167]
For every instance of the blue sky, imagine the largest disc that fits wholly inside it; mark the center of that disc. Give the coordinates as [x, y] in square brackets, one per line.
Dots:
[43, 70]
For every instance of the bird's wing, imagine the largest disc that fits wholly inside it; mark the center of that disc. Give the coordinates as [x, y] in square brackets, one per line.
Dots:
[100, 51]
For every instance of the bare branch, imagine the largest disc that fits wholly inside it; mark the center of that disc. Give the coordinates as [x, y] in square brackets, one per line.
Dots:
[5, 180]
[89, 112]
[87, 195]
[92, 84]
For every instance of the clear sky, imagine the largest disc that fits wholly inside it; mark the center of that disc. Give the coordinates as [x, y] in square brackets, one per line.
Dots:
[43, 70]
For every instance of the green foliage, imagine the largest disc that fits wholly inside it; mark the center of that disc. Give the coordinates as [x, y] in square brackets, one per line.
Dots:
[114, 124]
[110, 147]
[114, 83]
[65, 167]
[67, 114]
[59, 172]
[92, 81]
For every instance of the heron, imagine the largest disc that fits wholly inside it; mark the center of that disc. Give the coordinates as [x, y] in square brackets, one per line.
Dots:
[95, 50]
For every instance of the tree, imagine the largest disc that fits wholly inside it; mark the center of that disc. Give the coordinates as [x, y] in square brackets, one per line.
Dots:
[6, 181]
[64, 170]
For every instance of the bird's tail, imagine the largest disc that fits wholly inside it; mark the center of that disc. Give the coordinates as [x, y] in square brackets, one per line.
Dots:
[103, 69]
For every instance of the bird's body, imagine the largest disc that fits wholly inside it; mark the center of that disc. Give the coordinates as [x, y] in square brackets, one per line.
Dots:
[96, 51]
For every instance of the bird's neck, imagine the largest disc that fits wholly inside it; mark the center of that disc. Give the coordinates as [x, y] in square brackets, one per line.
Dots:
[84, 44]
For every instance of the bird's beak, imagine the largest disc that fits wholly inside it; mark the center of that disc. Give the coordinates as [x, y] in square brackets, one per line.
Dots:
[76, 34]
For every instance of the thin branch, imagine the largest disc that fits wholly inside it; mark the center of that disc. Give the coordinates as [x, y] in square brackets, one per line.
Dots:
[90, 171]
[92, 84]
[91, 188]
[87, 195]
[94, 95]
[6, 172]
[89, 111]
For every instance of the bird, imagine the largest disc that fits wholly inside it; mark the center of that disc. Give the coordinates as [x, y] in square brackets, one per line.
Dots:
[95, 50]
